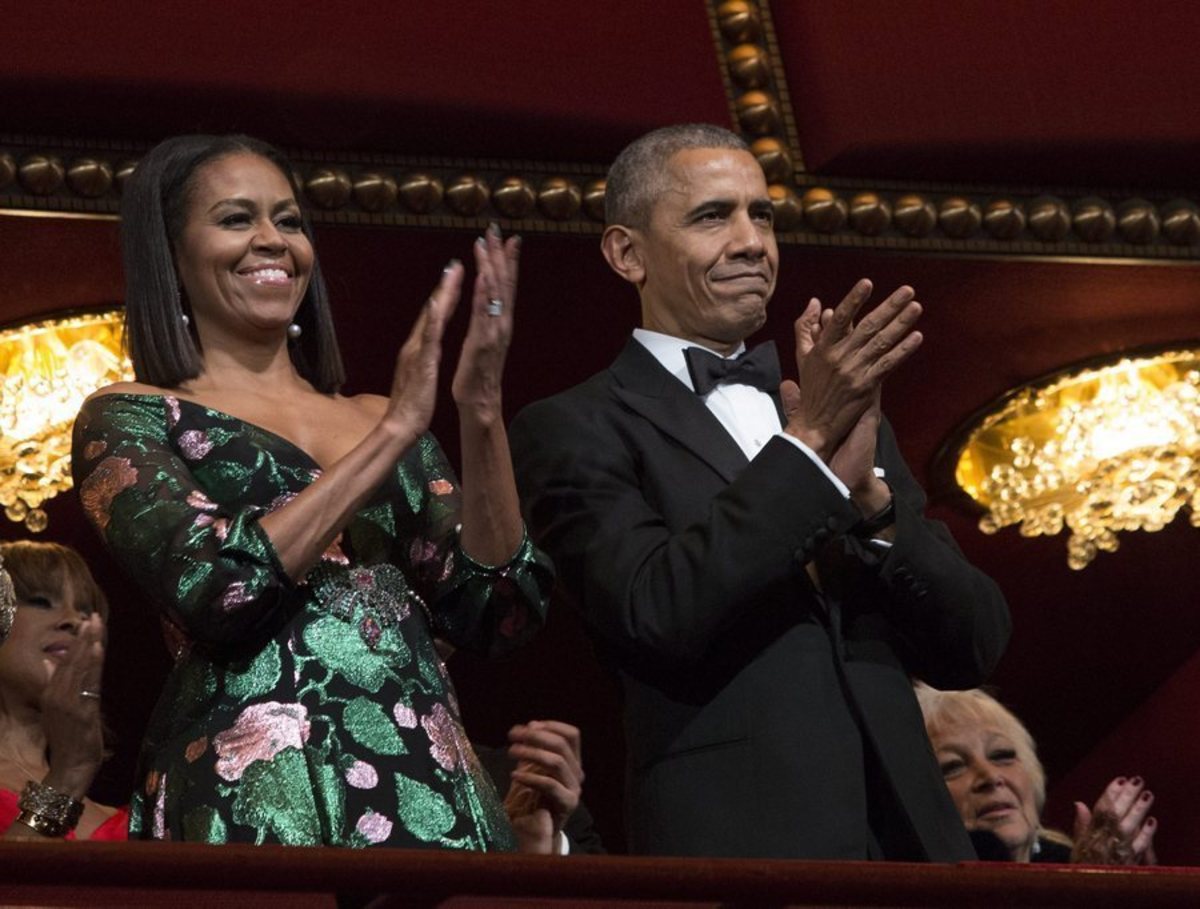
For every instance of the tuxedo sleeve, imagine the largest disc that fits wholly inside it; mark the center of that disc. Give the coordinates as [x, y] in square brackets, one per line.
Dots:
[645, 587]
[949, 618]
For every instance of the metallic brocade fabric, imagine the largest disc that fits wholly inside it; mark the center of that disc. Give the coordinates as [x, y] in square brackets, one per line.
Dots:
[308, 713]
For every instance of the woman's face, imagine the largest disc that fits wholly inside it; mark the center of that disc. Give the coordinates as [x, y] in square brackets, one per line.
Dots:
[990, 784]
[44, 626]
[243, 260]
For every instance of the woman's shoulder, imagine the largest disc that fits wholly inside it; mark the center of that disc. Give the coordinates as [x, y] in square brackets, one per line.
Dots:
[128, 388]
[369, 404]
[125, 408]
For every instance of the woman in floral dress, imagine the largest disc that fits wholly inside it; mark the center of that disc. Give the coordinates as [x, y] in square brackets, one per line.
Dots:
[303, 547]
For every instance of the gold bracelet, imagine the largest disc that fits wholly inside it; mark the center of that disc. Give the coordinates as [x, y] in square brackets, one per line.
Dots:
[49, 812]
[43, 825]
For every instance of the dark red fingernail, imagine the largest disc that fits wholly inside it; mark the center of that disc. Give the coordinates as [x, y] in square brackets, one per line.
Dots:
[1147, 795]
[1137, 781]
[1120, 781]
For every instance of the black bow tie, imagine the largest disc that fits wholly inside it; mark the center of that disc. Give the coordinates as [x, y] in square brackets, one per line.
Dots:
[758, 367]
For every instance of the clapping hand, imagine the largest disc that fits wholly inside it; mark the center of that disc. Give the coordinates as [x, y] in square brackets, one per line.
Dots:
[1117, 829]
[477, 380]
[414, 383]
[834, 406]
[71, 712]
[546, 783]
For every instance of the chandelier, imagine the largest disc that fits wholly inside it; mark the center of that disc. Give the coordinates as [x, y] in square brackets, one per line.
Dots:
[1099, 450]
[47, 368]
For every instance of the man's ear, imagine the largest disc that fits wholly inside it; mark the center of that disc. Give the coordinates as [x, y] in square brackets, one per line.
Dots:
[622, 251]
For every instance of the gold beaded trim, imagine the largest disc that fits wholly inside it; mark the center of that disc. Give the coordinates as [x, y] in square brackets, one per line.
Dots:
[84, 179]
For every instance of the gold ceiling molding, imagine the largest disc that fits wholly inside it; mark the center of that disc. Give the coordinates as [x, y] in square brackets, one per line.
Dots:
[990, 220]
[84, 178]
[755, 84]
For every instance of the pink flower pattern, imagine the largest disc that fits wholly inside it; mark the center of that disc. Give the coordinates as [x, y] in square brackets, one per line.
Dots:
[160, 811]
[220, 526]
[442, 730]
[106, 481]
[406, 717]
[374, 828]
[260, 733]
[362, 775]
[197, 499]
[235, 595]
[195, 444]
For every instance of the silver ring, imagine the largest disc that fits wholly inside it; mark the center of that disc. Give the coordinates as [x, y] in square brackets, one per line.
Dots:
[495, 307]
[88, 693]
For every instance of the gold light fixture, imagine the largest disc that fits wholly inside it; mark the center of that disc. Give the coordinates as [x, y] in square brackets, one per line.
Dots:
[47, 368]
[1111, 447]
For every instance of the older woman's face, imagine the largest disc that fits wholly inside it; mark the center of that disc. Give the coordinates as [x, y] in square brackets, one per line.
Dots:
[44, 627]
[243, 259]
[990, 785]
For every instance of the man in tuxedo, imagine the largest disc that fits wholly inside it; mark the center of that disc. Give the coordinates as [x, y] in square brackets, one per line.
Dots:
[752, 557]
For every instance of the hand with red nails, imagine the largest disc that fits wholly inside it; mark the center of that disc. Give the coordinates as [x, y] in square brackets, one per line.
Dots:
[1117, 830]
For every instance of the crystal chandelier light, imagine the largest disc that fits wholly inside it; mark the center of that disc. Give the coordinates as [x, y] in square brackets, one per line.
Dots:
[1110, 448]
[47, 368]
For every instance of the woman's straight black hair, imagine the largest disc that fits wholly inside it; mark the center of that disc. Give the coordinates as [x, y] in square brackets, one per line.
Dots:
[165, 352]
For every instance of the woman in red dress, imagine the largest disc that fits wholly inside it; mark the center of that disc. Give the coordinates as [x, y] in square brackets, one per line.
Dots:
[51, 657]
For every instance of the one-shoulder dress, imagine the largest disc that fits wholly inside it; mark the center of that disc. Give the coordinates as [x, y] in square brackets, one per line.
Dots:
[313, 711]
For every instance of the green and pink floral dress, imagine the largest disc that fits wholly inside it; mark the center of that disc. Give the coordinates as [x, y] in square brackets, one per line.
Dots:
[315, 712]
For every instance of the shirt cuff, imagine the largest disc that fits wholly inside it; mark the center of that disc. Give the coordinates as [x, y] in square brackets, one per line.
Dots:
[564, 844]
[812, 455]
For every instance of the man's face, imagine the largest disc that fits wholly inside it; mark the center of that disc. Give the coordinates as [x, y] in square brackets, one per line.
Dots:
[709, 254]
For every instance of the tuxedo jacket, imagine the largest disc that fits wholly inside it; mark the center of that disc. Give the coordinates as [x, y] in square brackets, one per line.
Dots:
[764, 716]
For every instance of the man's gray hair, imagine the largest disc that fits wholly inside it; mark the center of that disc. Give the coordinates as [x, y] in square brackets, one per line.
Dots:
[639, 174]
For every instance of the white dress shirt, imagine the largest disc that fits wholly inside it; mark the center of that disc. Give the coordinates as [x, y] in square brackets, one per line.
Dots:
[748, 414]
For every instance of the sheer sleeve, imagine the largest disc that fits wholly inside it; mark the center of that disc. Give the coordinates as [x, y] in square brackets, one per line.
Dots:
[484, 608]
[212, 569]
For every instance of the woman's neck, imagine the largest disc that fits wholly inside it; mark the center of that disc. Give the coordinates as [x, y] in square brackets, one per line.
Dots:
[253, 370]
[22, 751]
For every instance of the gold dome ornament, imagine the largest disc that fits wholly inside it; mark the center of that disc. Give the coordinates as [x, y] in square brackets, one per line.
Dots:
[8, 602]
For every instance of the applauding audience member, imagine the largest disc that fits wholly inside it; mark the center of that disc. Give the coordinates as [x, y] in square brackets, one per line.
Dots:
[542, 771]
[990, 764]
[51, 660]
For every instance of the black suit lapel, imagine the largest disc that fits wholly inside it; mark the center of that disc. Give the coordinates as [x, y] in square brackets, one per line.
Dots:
[652, 392]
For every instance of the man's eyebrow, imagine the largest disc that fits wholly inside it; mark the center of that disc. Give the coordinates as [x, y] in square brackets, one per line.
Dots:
[710, 204]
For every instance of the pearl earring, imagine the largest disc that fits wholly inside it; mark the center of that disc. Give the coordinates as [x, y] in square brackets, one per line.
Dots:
[294, 331]
[183, 317]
